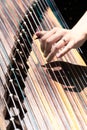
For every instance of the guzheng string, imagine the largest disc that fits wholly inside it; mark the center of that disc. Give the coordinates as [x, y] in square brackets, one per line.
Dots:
[16, 95]
[79, 86]
[77, 89]
[11, 96]
[75, 84]
[79, 82]
[82, 78]
[72, 89]
[82, 96]
[29, 107]
[7, 106]
[64, 25]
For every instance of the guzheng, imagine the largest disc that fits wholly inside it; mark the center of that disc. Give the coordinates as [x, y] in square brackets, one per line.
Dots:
[34, 94]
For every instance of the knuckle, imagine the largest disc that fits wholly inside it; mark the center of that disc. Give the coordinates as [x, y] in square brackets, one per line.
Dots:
[48, 41]
[43, 40]
[55, 48]
[68, 47]
[55, 28]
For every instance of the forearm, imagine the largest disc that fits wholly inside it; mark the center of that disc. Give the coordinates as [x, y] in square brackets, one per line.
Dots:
[81, 25]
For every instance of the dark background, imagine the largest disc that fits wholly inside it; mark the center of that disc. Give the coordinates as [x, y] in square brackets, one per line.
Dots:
[72, 10]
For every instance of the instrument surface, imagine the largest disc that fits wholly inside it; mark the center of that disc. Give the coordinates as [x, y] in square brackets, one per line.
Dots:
[34, 94]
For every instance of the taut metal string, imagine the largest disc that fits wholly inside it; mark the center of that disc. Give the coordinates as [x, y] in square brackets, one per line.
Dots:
[66, 26]
[79, 81]
[84, 103]
[11, 118]
[73, 59]
[11, 96]
[32, 118]
[30, 112]
[53, 5]
[14, 59]
[75, 70]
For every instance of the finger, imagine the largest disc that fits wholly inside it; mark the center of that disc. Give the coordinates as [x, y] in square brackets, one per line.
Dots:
[44, 39]
[46, 52]
[57, 36]
[55, 49]
[62, 43]
[50, 38]
[66, 49]
[49, 34]
[39, 34]
[51, 55]
[43, 35]
[50, 41]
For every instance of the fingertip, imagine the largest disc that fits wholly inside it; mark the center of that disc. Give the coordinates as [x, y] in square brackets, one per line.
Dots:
[48, 60]
[62, 52]
[50, 57]
[40, 33]
[58, 55]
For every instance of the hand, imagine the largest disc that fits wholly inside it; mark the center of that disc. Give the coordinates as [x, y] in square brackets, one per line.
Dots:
[49, 41]
[63, 39]
[58, 38]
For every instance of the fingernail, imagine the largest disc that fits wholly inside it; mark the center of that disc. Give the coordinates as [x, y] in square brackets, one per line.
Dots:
[45, 54]
[48, 59]
[37, 33]
[58, 55]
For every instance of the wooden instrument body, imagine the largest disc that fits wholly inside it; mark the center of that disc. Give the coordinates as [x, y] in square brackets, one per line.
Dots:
[55, 92]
